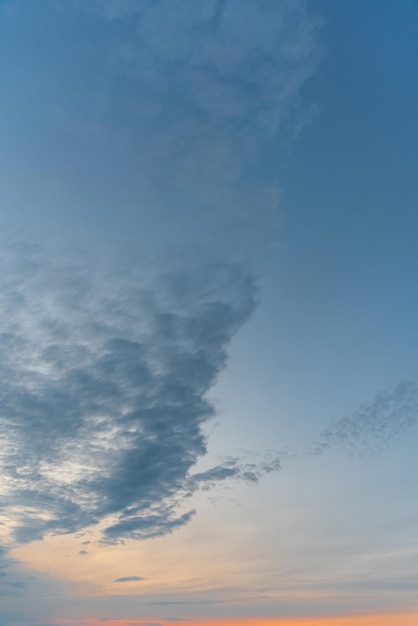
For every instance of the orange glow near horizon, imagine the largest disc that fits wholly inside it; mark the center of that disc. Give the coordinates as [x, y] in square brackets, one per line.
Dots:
[399, 619]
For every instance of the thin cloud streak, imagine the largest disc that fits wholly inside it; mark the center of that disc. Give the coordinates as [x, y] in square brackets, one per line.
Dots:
[400, 619]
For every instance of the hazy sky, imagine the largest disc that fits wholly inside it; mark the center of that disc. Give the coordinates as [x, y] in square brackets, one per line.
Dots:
[208, 312]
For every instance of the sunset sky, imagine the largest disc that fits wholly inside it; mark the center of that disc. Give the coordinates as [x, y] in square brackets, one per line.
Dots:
[208, 312]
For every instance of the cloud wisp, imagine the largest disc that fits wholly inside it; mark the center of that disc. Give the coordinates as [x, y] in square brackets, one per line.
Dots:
[104, 373]
[218, 84]
[237, 468]
[200, 99]
[11, 579]
[373, 427]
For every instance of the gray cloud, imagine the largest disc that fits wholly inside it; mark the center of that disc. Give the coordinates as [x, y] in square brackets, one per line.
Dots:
[197, 95]
[200, 53]
[10, 575]
[104, 373]
[238, 468]
[375, 426]
[128, 579]
[218, 83]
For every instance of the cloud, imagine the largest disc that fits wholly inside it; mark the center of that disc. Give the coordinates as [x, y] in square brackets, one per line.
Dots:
[375, 426]
[237, 468]
[201, 53]
[104, 375]
[10, 574]
[128, 579]
[202, 98]
[219, 85]
[4, 566]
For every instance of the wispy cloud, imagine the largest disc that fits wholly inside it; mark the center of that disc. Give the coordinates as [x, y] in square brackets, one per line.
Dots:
[239, 468]
[128, 579]
[219, 84]
[375, 426]
[197, 96]
[11, 579]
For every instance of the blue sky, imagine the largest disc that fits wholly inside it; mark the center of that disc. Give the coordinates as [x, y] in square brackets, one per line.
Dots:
[208, 322]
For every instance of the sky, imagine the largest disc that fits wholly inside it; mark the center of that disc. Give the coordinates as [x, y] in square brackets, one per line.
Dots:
[208, 338]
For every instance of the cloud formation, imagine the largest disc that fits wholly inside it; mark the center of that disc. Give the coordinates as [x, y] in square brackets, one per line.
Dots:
[202, 98]
[128, 579]
[375, 426]
[11, 579]
[238, 468]
[218, 84]
[200, 52]
[104, 375]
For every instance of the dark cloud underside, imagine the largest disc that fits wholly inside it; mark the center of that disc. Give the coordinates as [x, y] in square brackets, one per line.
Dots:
[104, 372]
